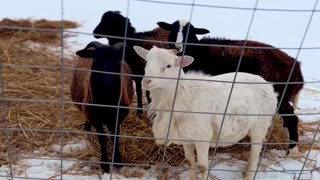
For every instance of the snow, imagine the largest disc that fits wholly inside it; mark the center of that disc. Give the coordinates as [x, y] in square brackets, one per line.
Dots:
[281, 29]
[273, 166]
[68, 53]
[45, 169]
[70, 147]
[309, 102]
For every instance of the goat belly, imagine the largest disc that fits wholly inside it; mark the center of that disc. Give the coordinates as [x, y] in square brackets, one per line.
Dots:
[182, 130]
[235, 128]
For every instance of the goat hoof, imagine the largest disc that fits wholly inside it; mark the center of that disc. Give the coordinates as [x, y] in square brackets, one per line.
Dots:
[105, 168]
[247, 175]
[293, 152]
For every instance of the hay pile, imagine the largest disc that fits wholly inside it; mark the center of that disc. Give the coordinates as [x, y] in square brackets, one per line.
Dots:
[32, 83]
[48, 84]
[48, 37]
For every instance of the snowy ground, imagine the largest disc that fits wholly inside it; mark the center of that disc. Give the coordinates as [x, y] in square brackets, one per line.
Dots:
[287, 168]
[272, 167]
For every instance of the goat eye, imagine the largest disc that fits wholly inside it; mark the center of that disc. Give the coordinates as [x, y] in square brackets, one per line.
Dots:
[168, 66]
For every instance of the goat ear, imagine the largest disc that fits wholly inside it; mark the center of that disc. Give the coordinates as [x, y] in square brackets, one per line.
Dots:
[183, 62]
[164, 25]
[200, 31]
[119, 46]
[86, 53]
[142, 52]
[174, 51]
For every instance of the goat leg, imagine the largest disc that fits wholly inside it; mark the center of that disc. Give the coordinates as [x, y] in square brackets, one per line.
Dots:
[190, 157]
[290, 122]
[117, 154]
[202, 158]
[103, 147]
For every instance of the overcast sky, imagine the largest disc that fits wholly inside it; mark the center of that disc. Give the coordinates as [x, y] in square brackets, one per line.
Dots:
[278, 28]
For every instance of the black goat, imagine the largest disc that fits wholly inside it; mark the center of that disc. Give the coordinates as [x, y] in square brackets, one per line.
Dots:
[114, 24]
[103, 89]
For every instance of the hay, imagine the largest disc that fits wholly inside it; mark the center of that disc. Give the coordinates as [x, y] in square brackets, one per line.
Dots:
[147, 152]
[45, 84]
[51, 37]
[33, 83]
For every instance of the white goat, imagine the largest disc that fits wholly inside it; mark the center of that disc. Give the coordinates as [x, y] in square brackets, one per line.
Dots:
[206, 96]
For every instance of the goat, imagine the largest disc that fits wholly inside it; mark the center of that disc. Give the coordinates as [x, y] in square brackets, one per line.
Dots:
[103, 89]
[114, 24]
[201, 130]
[272, 64]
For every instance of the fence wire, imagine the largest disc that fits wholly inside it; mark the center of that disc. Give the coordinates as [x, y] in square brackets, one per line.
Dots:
[3, 118]
[61, 89]
[286, 86]
[4, 100]
[176, 89]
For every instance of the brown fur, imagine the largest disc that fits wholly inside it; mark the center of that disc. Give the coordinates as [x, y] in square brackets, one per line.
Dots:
[80, 80]
[275, 65]
[87, 91]
[157, 34]
[81, 88]
[126, 81]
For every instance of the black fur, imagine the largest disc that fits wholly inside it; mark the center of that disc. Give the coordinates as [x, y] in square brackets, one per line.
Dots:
[113, 23]
[105, 90]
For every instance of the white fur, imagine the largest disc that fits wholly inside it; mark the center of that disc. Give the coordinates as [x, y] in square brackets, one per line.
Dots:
[178, 44]
[294, 152]
[205, 96]
[296, 101]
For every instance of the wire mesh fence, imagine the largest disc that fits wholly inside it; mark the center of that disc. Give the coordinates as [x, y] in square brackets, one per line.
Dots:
[62, 101]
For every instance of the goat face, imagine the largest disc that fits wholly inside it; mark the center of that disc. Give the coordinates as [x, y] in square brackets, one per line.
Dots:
[162, 68]
[112, 23]
[178, 33]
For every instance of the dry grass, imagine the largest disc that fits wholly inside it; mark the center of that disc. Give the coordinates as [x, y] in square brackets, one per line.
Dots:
[51, 37]
[48, 84]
